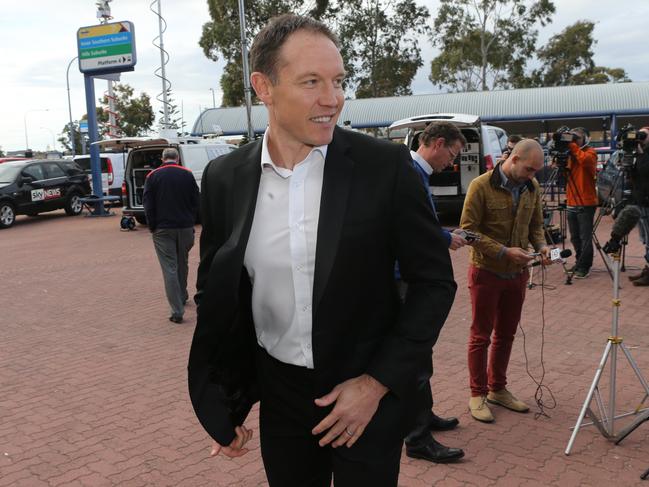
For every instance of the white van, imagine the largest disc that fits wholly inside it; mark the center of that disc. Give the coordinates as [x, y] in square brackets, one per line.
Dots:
[485, 145]
[145, 155]
[112, 170]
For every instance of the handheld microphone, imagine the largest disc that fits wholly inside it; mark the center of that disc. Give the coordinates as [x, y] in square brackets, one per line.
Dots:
[556, 255]
[624, 223]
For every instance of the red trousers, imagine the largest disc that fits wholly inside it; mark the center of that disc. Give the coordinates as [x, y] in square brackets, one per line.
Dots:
[496, 304]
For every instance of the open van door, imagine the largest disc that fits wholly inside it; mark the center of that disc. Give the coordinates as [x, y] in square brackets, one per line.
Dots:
[125, 143]
[419, 123]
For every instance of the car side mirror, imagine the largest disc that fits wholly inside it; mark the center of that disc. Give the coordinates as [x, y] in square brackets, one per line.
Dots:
[25, 179]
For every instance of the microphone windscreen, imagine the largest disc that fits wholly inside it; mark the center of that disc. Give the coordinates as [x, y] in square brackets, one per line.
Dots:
[625, 222]
[565, 253]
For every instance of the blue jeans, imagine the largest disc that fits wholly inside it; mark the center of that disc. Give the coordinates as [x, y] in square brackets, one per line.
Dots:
[580, 224]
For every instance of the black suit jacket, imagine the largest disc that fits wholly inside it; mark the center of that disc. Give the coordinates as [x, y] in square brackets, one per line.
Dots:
[373, 212]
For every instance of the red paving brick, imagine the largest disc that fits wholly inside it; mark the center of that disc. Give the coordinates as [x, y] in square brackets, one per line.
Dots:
[93, 388]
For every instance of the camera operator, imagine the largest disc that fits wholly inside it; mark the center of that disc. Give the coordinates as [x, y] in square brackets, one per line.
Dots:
[512, 140]
[582, 201]
[639, 175]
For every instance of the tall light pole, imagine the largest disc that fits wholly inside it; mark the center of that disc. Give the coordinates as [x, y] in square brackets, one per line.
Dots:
[25, 123]
[71, 126]
[213, 99]
[246, 69]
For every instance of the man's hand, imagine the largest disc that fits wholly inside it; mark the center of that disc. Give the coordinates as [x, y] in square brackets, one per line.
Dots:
[518, 255]
[545, 256]
[356, 401]
[234, 449]
[456, 241]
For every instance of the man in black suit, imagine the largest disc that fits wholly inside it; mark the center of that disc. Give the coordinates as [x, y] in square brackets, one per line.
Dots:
[297, 304]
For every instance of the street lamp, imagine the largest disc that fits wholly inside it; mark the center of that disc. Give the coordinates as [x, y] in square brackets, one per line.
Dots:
[71, 126]
[213, 99]
[25, 123]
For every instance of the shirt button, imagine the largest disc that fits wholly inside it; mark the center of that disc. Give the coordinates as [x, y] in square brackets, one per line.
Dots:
[308, 346]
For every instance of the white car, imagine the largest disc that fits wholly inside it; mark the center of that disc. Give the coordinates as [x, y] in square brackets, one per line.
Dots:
[485, 144]
[112, 170]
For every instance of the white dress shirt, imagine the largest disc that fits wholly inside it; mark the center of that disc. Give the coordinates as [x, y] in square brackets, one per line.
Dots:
[422, 162]
[280, 255]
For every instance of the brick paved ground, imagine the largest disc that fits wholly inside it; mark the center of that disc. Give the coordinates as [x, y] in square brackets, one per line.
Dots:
[92, 375]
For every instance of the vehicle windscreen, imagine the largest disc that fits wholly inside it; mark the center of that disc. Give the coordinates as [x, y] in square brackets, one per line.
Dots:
[9, 172]
[84, 162]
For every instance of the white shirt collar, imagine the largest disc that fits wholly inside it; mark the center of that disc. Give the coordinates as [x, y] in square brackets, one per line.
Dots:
[422, 162]
[266, 160]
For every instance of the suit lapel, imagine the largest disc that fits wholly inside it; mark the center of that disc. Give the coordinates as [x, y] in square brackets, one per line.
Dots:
[337, 180]
[245, 187]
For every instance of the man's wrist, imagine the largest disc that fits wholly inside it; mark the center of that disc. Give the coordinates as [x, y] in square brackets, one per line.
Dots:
[379, 389]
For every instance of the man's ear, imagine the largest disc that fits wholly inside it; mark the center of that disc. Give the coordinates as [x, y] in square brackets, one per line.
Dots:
[262, 86]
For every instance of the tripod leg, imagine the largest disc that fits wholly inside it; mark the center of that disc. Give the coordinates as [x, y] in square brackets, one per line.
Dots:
[636, 369]
[530, 281]
[631, 428]
[645, 475]
[589, 397]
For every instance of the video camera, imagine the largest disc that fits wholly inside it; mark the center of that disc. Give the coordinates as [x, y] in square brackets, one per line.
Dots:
[628, 139]
[559, 145]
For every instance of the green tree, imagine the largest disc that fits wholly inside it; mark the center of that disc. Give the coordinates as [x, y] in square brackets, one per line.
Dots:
[221, 37]
[567, 59]
[485, 44]
[379, 44]
[175, 119]
[134, 114]
[64, 140]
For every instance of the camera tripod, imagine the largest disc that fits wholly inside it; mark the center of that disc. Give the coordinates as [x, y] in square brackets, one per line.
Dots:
[561, 208]
[605, 423]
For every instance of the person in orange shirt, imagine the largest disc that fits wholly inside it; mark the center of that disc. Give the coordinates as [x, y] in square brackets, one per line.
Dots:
[581, 199]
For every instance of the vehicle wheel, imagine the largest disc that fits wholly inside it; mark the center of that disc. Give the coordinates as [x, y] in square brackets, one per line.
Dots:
[7, 214]
[73, 205]
[141, 219]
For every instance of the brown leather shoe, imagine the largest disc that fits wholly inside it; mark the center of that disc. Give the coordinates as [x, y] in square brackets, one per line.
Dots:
[643, 273]
[642, 281]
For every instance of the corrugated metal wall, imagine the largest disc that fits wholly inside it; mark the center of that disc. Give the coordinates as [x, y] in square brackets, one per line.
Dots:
[591, 101]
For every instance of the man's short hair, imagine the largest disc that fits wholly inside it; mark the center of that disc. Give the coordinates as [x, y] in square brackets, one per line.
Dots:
[514, 138]
[170, 153]
[434, 130]
[264, 53]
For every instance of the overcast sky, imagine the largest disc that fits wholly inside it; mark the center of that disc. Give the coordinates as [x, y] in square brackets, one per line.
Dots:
[38, 40]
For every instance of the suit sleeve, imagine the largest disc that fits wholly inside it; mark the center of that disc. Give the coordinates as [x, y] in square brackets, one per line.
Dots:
[422, 252]
[209, 242]
[447, 236]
